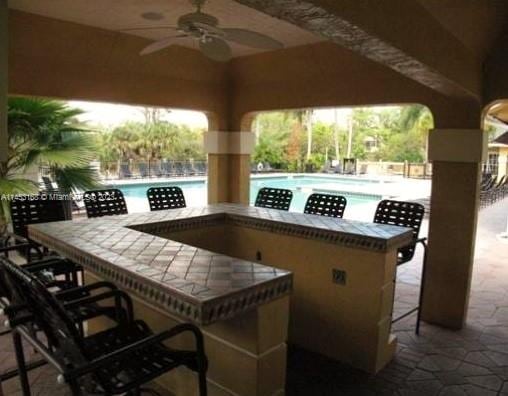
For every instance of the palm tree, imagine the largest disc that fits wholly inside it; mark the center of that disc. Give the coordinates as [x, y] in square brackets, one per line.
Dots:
[419, 119]
[302, 122]
[45, 132]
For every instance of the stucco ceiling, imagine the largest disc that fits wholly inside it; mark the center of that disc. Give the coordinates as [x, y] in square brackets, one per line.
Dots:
[476, 23]
[121, 14]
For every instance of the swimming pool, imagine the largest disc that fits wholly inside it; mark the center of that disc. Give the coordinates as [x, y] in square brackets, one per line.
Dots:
[302, 187]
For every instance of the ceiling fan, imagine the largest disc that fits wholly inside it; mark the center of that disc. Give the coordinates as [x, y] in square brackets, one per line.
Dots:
[205, 30]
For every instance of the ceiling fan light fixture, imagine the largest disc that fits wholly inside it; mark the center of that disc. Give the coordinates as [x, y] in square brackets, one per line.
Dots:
[213, 40]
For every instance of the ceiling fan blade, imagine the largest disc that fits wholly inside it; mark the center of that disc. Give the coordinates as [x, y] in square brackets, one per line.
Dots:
[148, 28]
[160, 44]
[216, 49]
[252, 39]
[210, 29]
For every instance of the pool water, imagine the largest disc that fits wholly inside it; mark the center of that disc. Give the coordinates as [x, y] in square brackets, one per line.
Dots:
[301, 186]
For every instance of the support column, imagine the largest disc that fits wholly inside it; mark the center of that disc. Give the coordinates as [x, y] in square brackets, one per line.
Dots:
[502, 163]
[3, 81]
[229, 165]
[456, 155]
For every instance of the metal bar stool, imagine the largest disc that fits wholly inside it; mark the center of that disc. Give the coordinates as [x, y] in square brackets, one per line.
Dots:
[34, 209]
[105, 202]
[162, 198]
[274, 198]
[326, 205]
[114, 361]
[410, 215]
[12, 303]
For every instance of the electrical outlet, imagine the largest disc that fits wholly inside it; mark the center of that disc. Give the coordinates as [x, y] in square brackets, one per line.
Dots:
[338, 276]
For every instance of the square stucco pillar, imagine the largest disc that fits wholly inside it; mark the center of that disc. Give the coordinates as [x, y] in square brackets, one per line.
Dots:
[3, 80]
[456, 156]
[228, 165]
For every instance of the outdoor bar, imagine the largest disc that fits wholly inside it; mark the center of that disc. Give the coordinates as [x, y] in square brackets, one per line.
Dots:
[210, 266]
[365, 102]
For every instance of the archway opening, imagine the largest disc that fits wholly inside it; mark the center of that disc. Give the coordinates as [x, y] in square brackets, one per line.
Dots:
[364, 153]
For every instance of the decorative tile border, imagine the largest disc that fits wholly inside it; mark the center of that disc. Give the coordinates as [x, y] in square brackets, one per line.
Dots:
[180, 224]
[344, 239]
[212, 307]
[306, 230]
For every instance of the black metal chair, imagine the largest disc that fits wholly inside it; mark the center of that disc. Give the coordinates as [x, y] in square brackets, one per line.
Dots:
[34, 209]
[274, 198]
[409, 215]
[188, 169]
[118, 360]
[167, 168]
[200, 168]
[177, 169]
[155, 169]
[162, 198]
[143, 169]
[12, 303]
[326, 205]
[125, 171]
[106, 202]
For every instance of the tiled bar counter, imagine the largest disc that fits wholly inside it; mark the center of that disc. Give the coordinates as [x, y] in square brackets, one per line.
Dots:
[226, 268]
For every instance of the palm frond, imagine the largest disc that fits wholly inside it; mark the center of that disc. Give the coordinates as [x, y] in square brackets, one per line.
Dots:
[13, 186]
[76, 179]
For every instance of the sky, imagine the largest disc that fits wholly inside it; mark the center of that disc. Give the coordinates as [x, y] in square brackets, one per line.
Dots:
[110, 115]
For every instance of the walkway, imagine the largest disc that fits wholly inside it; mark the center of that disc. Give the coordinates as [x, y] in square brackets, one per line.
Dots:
[473, 361]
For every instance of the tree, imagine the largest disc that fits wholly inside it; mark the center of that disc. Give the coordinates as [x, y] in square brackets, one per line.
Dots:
[418, 119]
[154, 115]
[148, 142]
[380, 133]
[274, 130]
[45, 132]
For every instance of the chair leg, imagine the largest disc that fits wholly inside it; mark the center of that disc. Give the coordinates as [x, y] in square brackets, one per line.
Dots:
[202, 367]
[202, 364]
[20, 359]
[135, 392]
[75, 388]
[202, 383]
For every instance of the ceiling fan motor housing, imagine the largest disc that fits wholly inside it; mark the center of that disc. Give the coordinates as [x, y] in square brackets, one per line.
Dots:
[187, 22]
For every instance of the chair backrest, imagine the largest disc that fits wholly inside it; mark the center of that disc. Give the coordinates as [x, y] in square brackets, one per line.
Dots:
[49, 315]
[162, 198]
[106, 202]
[274, 198]
[166, 167]
[325, 205]
[34, 209]
[403, 214]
